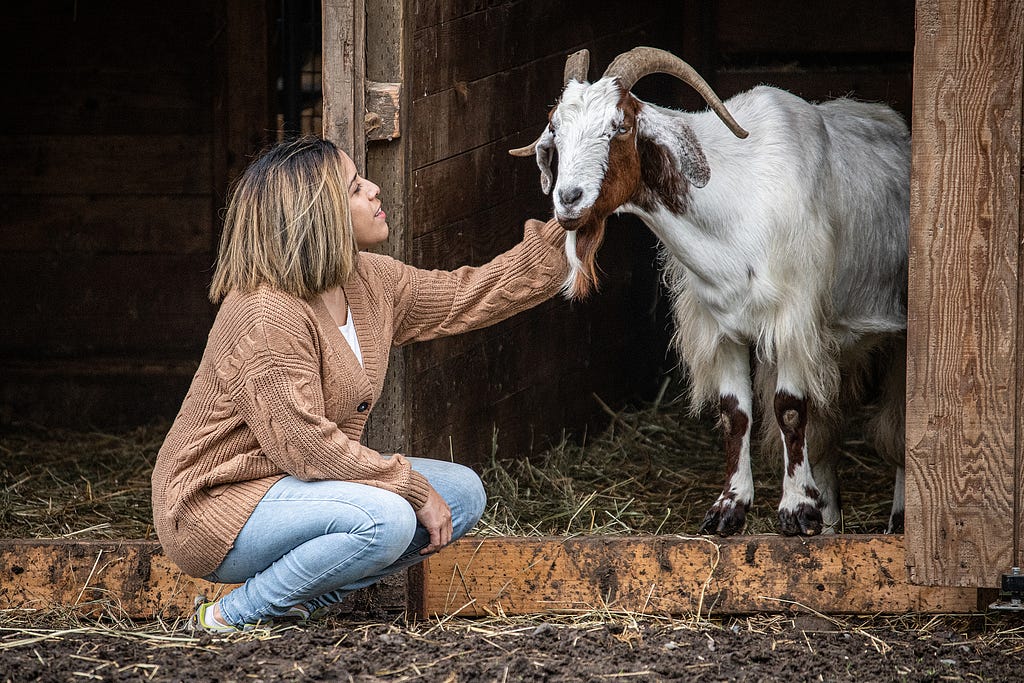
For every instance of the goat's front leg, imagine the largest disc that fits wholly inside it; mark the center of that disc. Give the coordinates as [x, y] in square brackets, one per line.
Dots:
[800, 508]
[728, 515]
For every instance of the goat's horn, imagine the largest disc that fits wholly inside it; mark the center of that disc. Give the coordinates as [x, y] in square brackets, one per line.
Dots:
[576, 67]
[630, 67]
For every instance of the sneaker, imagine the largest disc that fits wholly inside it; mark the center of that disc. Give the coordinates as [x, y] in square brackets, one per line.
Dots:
[202, 620]
[301, 614]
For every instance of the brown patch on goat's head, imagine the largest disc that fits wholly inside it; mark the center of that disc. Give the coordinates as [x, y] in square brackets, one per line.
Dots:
[621, 181]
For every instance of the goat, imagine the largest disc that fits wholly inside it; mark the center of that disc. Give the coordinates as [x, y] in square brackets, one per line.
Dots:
[784, 251]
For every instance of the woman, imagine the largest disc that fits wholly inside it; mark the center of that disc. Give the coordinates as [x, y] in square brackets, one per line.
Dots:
[262, 479]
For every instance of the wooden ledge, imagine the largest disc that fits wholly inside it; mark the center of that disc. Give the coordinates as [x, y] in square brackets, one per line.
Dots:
[126, 579]
[479, 576]
[842, 574]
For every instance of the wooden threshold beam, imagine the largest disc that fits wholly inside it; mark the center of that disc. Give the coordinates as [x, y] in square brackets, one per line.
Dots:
[512, 576]
[127, 579]
[854, 574]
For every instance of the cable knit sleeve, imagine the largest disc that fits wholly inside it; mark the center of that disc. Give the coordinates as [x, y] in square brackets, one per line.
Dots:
[436, 303]
[272, 375]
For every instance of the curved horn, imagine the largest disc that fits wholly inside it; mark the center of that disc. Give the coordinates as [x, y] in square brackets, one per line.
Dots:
[630, 67]
[576, 67]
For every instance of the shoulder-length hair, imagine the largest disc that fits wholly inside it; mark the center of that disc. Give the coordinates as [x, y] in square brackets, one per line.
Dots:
[287, 223]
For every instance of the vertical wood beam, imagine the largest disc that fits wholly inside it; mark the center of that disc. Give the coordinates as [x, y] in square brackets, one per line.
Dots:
[344, 76]
[389, 60]
[963, 391]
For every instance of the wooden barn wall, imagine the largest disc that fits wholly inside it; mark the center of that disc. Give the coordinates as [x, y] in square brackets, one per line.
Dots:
[480, 78]
[122, 122]
[964, 421]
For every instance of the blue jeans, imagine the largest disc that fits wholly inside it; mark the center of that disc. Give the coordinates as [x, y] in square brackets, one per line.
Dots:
[313, 543]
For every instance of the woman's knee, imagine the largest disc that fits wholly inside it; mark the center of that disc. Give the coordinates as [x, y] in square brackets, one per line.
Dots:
[461, 488]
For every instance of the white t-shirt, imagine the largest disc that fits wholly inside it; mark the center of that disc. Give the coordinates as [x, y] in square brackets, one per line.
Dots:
[348, 330]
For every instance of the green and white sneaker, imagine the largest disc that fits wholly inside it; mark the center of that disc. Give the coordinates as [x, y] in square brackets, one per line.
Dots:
[204, 620]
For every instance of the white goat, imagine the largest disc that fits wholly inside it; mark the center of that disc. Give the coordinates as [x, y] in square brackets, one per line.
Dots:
[785, 254]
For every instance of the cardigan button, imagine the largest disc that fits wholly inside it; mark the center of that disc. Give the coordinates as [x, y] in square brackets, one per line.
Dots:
[362, 407]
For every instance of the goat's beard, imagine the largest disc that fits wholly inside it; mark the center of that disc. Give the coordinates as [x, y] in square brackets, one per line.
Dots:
[581, 247]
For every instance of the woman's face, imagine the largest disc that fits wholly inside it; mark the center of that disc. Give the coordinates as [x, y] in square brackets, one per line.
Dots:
[369, 222]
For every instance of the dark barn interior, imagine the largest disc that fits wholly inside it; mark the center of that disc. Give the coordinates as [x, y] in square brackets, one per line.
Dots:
[126, 122]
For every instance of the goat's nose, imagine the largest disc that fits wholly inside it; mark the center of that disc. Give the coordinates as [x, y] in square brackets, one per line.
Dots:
[570, 195]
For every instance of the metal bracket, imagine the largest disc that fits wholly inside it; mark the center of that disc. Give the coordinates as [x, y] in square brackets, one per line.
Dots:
[1011, 594]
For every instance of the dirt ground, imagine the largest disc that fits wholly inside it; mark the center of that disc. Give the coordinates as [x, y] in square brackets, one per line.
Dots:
[762, 648]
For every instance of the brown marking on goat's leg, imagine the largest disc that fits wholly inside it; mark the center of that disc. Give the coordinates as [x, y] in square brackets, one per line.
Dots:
[728, 515]
[791, 414]
[800, 508]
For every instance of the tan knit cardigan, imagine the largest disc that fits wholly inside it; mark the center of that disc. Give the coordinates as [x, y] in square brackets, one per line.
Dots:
[279, 391]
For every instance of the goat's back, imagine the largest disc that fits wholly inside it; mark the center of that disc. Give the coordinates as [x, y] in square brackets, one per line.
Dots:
[869, 150]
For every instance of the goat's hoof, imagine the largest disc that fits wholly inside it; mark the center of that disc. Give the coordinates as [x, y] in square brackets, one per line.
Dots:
[805, 520]
[724, 520]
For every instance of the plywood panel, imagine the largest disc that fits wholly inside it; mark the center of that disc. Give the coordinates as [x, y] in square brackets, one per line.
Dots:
[679, 575]
[963, 396]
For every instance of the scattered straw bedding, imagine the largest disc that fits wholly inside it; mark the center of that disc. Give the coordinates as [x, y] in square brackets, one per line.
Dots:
[653, 470]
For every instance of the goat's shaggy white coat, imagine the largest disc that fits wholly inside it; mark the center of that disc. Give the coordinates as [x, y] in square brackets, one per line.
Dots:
[792, 244]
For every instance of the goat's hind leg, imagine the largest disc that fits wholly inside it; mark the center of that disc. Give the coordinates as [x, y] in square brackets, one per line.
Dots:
[728, 515]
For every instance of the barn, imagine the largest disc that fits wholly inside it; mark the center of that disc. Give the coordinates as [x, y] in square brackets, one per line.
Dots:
[127, 123]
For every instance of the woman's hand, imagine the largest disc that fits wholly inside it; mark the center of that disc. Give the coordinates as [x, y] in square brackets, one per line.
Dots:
[436, 517]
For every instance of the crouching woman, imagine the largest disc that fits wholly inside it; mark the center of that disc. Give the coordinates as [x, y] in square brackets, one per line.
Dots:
[262, 479]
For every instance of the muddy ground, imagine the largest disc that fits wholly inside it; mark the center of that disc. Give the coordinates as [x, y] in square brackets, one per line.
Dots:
[762, 648]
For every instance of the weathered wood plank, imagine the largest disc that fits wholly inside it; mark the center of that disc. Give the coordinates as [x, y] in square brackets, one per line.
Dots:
[105, 164]
[344, 76]
[107, 302]
[793, 26]
[680, 575]
[171, 224]
[125, 578]
[388, 60]
[514, 34]
[963, 352]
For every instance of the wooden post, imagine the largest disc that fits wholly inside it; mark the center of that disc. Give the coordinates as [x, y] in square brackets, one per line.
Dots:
[964, 391]
[344, 76]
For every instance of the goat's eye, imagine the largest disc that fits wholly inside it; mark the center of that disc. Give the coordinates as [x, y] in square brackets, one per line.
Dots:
[622, 130]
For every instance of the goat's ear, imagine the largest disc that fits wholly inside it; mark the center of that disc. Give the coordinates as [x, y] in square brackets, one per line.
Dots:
[679, 143]
[544, 152]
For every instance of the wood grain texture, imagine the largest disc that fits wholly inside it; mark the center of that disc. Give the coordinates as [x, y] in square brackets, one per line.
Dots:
[388, 59]
[105, 164]
[963, 428]
[680, 576]
[791, 27]
[344, 76]
[126, 579]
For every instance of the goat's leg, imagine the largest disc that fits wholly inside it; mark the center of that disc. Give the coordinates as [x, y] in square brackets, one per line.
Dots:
[728, 515]
[898, 503]
[823, 441]
[800, 508]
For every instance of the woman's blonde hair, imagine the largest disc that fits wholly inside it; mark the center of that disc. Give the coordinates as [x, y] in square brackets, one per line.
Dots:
[288, 223]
